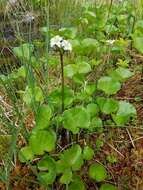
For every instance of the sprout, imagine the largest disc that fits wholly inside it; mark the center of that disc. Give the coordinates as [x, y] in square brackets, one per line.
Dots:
[59, 42]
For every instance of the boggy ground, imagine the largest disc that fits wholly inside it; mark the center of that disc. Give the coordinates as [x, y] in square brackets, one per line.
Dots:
[124, 145]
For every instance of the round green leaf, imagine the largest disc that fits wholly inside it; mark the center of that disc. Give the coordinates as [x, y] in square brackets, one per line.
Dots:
[83, 67]
[24, 51]
[88, 46]
[108, 85]
[66, 162]
[70, 70]
[55, 97]
[90, 89]
[77, 184]
[92, 109]
[88, 153]
[76, 118]
[34, 94]
[43, 117]
[47, 164]
[138, 43]
[125, 112]
[97, 172]
[110, 106]
[124, 73]
[121, 74]
[46, 178]
[108, 187]
[78, 164]
[66, 178]
[26, 154]
[96, 124]
[42, 141]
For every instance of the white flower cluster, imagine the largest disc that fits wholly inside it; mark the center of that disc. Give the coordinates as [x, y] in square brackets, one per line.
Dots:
[59, 42]
[111, 42]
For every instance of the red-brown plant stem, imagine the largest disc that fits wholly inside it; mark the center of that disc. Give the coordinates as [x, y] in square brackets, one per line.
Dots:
[62, 81]
[65, 133]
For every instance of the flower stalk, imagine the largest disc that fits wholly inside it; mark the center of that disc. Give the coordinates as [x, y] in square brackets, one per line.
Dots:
[62, 81]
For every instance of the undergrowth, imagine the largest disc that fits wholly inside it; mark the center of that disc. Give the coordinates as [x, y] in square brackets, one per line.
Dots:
[68, 80]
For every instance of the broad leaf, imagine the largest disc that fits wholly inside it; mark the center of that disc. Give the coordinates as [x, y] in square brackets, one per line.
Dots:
[47, 164]
[90, 89]
[70, 159]
[88, 153]
[46, 178]
[30, 95]
[121, 74]
[41, 141]
[24, 51]
[138, 43]
[93, 109]
[96, 124]
[76, 118]
[43, 117]
[124, 113]
[83, 67]
[71, 155]
[108, 187]
[77, 184]
[26, 154]
[55, 97]
[66, 178]
[110, 106]
[70, 70]
[108, 85]
[97, 172]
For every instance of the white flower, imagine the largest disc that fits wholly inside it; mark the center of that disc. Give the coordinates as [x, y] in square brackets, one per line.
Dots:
[111, 42]
[66, 45]
[56, 41]
[59, 42]
[12, 1]
[29, 17]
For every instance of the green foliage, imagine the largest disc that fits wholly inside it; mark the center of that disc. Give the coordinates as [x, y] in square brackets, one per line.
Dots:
[43, 117]
[55, 97]
[138, 43]
[109, 85]
[47, 167]
[77, 184]
[97, 172]
[108, 187]
[66, 178]
[75, 69]
[107, 105]
[33, 94]
[76, 118]
[111, 158]
[41, 141]
[121, 74]
[124, 113]
[96, 124]
[26, 154]
[88, 153]
[74, 92]
[93, 109]
[70, 158]
[24, 51]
